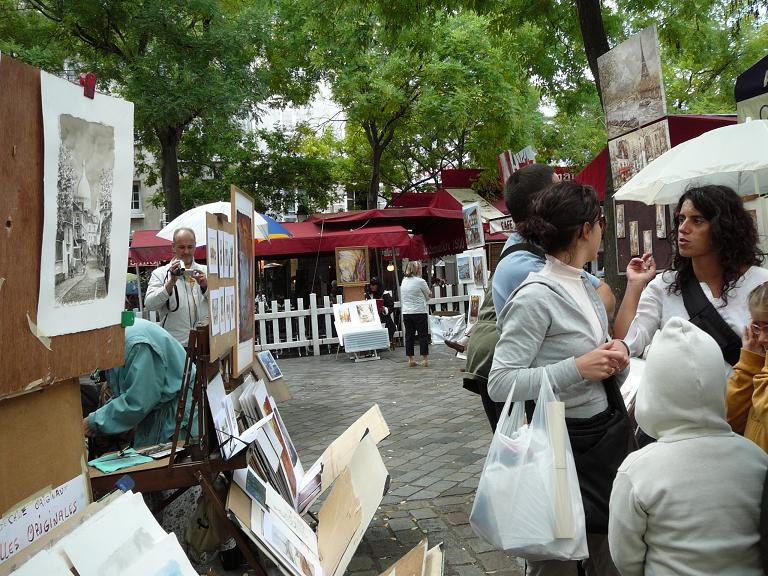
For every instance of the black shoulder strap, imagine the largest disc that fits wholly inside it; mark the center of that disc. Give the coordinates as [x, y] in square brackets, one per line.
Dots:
[527, 246]
[703, 314]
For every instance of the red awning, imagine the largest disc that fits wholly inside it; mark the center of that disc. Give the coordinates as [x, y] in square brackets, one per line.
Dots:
[311, 238]
[413, 199]
[459, 177]
[442, 229]
[147, 249]
[681, 129]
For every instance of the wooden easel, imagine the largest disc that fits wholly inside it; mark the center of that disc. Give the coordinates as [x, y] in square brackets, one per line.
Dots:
[200, 465]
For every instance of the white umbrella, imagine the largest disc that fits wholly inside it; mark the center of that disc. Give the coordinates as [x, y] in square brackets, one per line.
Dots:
[194, 218]
[734, 156]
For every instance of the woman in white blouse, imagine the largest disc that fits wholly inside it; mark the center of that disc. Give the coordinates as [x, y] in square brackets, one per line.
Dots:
[716, 243]
[414, 294]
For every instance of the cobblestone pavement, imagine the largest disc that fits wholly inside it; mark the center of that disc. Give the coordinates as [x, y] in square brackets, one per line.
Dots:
[435, 453]
[84, 287]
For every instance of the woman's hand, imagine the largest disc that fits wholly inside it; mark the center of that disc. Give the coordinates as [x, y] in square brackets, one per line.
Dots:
[603, 362]
[750, 342]
[641, 270]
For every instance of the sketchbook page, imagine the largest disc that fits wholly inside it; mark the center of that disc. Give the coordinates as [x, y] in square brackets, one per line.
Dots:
[412, 564]
[44, 562]
[290, 548]
[281, 509]
[106, 546]
[165, 558]
[87, 187]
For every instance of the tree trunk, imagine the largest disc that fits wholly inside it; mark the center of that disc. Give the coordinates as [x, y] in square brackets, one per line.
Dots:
[169, 170]
[595, 45]
[593, 35]
[372, 200]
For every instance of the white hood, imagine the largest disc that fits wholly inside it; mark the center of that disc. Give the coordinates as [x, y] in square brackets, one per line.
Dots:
[682, 391]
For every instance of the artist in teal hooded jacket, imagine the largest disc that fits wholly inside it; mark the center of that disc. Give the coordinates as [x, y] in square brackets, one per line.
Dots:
[145, 388]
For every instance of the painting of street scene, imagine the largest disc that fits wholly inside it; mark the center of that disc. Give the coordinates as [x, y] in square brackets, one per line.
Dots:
[631, 152]
[84, 210]
[632, 84]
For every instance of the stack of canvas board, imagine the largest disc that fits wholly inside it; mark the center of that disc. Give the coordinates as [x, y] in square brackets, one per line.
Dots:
[120, 539]
[283, 535]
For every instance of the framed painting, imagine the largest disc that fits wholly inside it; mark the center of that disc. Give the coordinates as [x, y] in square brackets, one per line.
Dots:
[352, 268]
[242, 310]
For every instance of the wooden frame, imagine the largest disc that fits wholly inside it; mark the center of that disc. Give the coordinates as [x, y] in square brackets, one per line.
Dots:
[356, 254]
[29, 359]
[245, 264]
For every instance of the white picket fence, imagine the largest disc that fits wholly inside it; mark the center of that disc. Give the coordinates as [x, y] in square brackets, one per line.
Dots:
[304, 328]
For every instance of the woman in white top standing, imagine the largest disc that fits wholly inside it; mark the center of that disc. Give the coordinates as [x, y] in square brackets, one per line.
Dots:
[716, 244]
[414, 294]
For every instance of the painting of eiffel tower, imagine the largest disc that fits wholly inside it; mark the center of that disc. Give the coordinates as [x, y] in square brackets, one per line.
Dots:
[631, 83]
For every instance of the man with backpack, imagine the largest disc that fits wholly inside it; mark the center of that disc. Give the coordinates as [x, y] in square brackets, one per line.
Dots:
[518, 259]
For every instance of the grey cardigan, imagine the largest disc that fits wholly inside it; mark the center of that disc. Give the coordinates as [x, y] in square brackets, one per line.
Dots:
[542, 326]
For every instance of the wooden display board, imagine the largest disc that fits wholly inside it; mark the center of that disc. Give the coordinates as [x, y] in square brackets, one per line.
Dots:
[41, 442]
[29, 360]
[220, 343]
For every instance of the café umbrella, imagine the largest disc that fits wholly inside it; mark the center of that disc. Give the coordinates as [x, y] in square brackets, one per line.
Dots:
[735, 156]
[264, 227]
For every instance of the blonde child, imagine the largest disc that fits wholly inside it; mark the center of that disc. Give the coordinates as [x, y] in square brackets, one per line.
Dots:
[747, 395]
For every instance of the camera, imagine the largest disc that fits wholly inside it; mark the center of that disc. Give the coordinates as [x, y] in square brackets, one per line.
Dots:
[179, 271]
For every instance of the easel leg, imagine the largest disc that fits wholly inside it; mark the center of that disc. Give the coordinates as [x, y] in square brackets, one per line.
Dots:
[231, 528]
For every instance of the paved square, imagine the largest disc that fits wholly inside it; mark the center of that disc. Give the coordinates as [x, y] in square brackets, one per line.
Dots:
[434, 454]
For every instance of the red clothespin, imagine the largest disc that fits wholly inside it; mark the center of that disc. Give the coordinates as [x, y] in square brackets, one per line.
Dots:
[88, 82]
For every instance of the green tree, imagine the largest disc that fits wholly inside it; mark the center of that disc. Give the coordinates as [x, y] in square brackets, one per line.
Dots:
[432, 83]
[281, 169]
[475, 102]
[184, 63]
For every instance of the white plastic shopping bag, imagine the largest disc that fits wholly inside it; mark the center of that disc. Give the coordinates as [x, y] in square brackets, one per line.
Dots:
[528, 501]
[443, 328]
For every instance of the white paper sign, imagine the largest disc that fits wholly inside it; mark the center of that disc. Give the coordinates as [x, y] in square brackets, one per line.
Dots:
[22, 526]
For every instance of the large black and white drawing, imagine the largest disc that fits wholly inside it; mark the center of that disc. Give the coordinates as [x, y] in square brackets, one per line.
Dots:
[84, 210]
[88, 176]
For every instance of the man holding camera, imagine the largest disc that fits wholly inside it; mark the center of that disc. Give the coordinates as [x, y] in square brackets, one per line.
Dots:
[178, 291]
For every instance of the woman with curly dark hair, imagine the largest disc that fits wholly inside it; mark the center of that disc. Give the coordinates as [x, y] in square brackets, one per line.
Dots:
[716, 246]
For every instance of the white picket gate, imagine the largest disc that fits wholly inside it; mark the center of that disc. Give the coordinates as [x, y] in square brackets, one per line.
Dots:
[304, 328]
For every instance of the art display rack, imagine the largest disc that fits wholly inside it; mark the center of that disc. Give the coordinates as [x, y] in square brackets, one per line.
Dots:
[40, 374]
[192, 461]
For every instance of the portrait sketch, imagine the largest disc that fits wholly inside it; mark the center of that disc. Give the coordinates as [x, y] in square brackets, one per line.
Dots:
[634, 239]
[621, 231]
[366, 313]
[88, 182]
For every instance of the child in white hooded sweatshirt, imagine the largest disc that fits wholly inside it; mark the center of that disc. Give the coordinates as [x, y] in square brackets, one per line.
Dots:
[688, 504]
